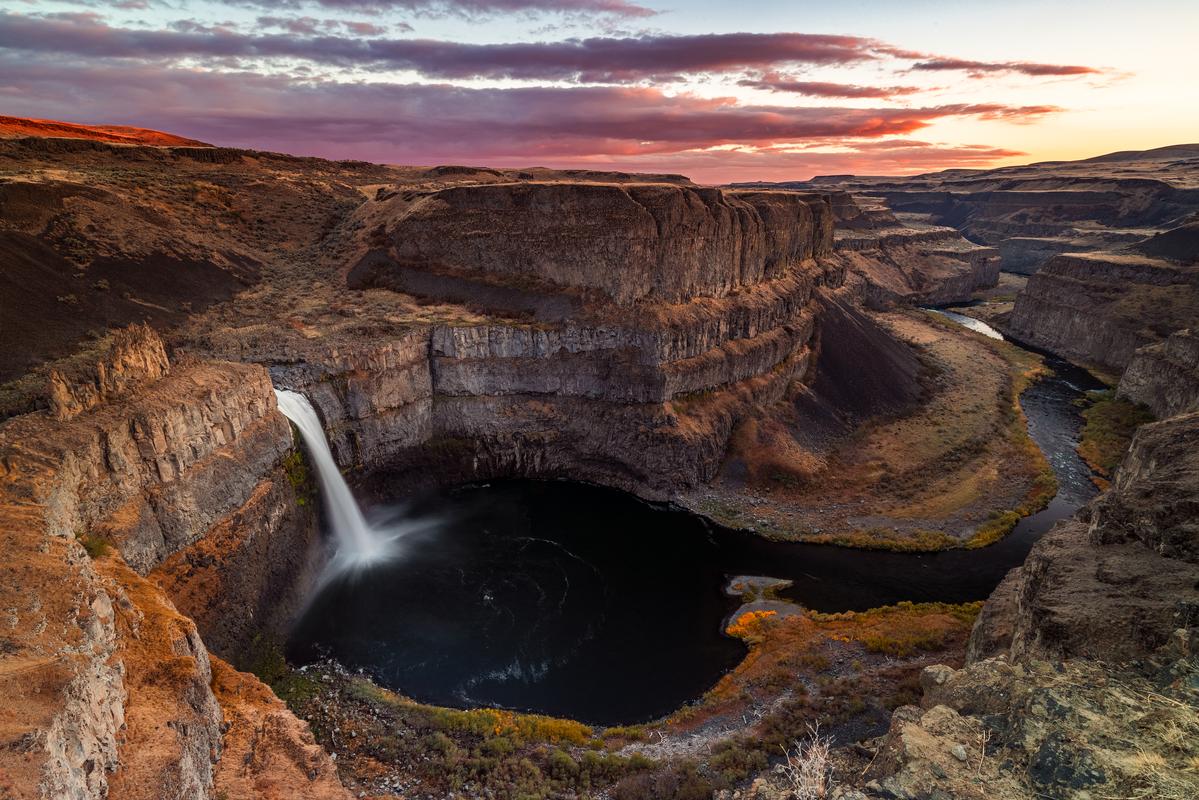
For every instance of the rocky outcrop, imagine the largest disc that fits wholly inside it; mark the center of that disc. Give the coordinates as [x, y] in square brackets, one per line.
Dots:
[1165, 376]
[1115, 584]
[659, 314]
[154, 474]
[904, 259]
[108, 687]
[136, 355]
[1045, 729]
[1099, 308]
[267, 753]
[1083, 662]
[629, 242]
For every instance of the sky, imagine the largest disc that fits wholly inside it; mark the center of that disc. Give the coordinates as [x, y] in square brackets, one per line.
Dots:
[720, 91]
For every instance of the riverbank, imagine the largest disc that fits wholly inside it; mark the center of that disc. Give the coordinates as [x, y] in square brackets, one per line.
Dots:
[957, 470]
[844, 672]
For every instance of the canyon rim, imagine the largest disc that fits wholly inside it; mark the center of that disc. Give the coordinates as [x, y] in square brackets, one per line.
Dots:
[716, 418]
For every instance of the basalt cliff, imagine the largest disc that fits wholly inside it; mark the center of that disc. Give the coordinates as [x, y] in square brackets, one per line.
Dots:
[1109, 244]
[456, 324]
[449, 324]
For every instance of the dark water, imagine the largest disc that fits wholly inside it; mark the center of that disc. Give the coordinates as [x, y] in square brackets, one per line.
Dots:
[580, 601]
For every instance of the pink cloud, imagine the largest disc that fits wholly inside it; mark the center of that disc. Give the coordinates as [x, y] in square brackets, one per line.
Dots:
[597, 59]
[772, 81]
[977, 69]
[421, 123]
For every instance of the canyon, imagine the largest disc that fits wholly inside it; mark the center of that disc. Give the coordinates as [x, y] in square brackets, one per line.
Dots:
[750, 353]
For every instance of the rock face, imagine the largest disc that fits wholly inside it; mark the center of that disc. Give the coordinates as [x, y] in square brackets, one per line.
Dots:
[1165, 376]
[1105, 610]
[904, 258]
[639, 340]
[1117, 583]
[628, 241]
[108, 687]
[1099, 308]
[136, 355]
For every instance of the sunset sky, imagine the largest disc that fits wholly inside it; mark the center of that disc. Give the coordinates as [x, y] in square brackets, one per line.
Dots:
[717, 90]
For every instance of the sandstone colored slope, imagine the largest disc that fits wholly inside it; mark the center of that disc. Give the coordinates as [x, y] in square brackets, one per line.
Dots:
[19, 127]
[109, 689]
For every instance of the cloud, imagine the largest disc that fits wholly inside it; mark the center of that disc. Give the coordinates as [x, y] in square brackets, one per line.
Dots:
[781, 83]
[467, 8]
[424, 123]
[894, 157]
[998, 111]
[599, 59]
[592, 60]
[978, 69]
[311, 26]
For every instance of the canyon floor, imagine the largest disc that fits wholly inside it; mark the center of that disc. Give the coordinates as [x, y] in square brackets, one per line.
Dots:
[756, 354]
[950, 455]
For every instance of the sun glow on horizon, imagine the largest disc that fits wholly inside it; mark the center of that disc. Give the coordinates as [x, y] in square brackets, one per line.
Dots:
[786, 92]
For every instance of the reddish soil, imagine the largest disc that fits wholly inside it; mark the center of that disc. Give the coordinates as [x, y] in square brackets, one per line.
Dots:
[20, 127]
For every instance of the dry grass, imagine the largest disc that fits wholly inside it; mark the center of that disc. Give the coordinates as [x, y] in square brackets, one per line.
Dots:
[787, 650]
[808, 768]
[962, 461]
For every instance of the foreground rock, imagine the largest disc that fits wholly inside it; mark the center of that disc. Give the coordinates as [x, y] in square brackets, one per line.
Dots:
[1083, 674]
[108, 688]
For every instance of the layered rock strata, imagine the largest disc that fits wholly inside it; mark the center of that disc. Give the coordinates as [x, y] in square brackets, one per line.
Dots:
[108, 687]
[1165, 376]
[1083, 664]
[904, 259]
[685, 307]
[1099, 308]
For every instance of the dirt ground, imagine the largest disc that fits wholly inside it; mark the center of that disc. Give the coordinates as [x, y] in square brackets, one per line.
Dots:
[939, 475]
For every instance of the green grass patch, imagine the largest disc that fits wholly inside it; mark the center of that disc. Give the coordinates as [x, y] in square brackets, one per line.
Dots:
[922, 540]
[96, 546]
[1110, 423]
[300, 477]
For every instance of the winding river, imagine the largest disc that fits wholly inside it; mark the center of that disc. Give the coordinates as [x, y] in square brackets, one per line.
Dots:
[585, 602]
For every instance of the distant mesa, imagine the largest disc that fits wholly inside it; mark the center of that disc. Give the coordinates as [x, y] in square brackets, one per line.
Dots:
[20, 127]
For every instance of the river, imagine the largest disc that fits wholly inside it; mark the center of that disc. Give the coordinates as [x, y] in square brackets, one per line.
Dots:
[586, 602]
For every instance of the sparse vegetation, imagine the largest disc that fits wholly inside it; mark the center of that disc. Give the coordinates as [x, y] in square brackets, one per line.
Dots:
[808, 769]
[1110, 424]
[300, 476]
[96, 546]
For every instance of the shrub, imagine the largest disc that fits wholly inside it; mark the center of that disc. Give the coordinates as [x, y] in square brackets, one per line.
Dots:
[1110, 424]
[299, 476]
[808, 769]
[679, 781]
[96, 546]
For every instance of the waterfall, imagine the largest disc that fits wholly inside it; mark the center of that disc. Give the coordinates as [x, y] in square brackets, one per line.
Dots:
[358, 544]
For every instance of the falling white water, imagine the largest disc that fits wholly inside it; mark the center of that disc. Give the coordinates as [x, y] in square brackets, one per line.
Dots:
[358, 544]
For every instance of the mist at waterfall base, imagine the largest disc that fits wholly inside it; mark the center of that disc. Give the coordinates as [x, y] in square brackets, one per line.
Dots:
[585, 602]
[358, 544]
